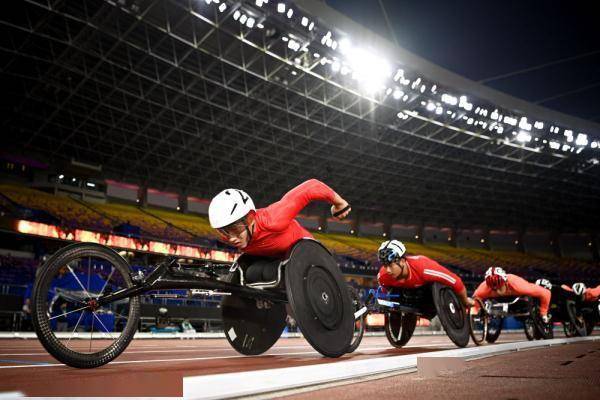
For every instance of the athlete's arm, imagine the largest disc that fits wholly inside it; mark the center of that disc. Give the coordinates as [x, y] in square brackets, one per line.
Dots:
[278, 215]
[522, 287]
[592, 294]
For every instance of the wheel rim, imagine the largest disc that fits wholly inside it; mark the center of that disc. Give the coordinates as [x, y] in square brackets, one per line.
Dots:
[478, 325]
[455, 313]
[394, 326]
[324, 298]
[71, 315]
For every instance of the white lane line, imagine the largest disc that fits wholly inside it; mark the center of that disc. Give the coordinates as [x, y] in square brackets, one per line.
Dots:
[379, 346]
[161, 360]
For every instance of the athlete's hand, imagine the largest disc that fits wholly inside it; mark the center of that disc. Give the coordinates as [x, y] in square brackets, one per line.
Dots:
[470, 302]
[339, 207]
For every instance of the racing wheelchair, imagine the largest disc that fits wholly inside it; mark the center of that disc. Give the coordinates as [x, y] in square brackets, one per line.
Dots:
[485, 320]
[401, 307]
[72, 300]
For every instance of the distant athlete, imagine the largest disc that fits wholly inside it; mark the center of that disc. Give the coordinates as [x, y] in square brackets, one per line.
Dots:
[400, 270]
[273, 230]
[498, 283]
[585, 293]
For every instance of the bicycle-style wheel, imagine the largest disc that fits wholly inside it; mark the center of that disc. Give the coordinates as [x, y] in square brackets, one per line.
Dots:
[68, 319]
[478, 323]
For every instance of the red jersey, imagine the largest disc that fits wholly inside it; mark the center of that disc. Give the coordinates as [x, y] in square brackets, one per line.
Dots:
[517, 286]
[592, 294]
[422, 270]
[275, 229]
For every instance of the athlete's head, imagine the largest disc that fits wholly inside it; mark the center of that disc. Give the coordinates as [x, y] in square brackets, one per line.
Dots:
[579, 288]
[390, 254]
[230, 213]
[495, 277]
[545, 283]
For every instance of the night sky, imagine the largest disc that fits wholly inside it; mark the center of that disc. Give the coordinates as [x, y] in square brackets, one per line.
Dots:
[484, 39]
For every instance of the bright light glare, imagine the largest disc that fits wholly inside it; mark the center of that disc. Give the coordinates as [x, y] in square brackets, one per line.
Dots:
[335, 66]
[554, 145]
[446, 98]
[304, 21]
[430, 107]
[250, 22]
[243, 19]
[236, 15]
[370, 70]
[398, 94]
[582, 140]
[222, 7]
[524, 137]
[281, 8]
[290, 13]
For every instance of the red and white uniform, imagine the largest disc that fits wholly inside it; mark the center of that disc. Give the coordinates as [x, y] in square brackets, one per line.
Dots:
[422, 270]
[517, 286]
[592, 294]
[275, 229]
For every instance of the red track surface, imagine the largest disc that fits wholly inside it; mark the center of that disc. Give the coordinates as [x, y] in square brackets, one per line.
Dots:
[156, 367]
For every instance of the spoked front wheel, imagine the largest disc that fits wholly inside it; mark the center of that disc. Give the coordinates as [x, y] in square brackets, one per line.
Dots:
[478, 323]
[69, 320]
[359, 319]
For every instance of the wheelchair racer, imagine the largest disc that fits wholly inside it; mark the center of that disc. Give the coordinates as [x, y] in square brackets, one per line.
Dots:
[584, 293]
[410, 272]
[498, 283]
[273, 230]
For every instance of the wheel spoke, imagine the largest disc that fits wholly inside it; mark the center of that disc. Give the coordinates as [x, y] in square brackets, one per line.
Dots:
[101, 323]
[89, 274]
[106, 283]
[76, 325]
[78, 281]
[92, 332]
[67, 313]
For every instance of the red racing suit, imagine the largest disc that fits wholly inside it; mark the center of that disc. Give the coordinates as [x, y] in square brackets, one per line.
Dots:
[422, 270]
[275, 229]
[517, 286]
[592, 294]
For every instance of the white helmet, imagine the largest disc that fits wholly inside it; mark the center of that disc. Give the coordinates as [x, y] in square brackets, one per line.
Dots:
[545, 283]
[390, 250]
[229, 206]
[579, 288]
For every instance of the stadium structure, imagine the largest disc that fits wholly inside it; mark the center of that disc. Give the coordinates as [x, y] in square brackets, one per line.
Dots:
[122, 118]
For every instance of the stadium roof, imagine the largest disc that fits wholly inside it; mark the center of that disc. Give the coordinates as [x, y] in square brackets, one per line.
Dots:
[198, 95]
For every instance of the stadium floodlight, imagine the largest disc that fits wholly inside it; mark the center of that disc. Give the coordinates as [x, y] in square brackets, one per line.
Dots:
[510, 120]
[582, 140]
[311, 26]
[566, 147]
[90, 184]
[222, 7]
[304, 21]
[470, 121]
[368, 69]
[523, 124]
[61, 176]
[399, 74]
[250, 22]
[494, 115]
[336, 66]
[344, 45]
[329, 42]
[594, 145]
[434, 89]
[430, 107]
[285, 38]
[236, 14]
[398, 94]
[216, 1]
[260, 26]
[243, 19]
[281, 8]
[316, 55]
[208, 1]
[538, 125]
[446, 98]
[423, 88]
[345, 70]
[439, 110]
[523, 137]
[554, 145]
[294, 45]
[290, 13]
[334, 45]
[259, 3]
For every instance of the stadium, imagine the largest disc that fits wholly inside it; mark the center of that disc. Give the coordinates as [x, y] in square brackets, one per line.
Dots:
[133, 265]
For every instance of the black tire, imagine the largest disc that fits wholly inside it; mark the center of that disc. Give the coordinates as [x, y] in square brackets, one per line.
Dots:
[42, 308]
[399, 327]
[576, 324]
[542, 330]
[452, 314]
[494, 329]
[359, 323]
[529, 329]
[478, 324]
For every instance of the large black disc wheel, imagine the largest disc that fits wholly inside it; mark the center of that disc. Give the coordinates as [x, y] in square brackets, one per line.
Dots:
[576, 324]
[452, 314]
[359, 319]
[478, 323]
[399, 327]
[529, 329]
[494, 329]
[69, 320]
